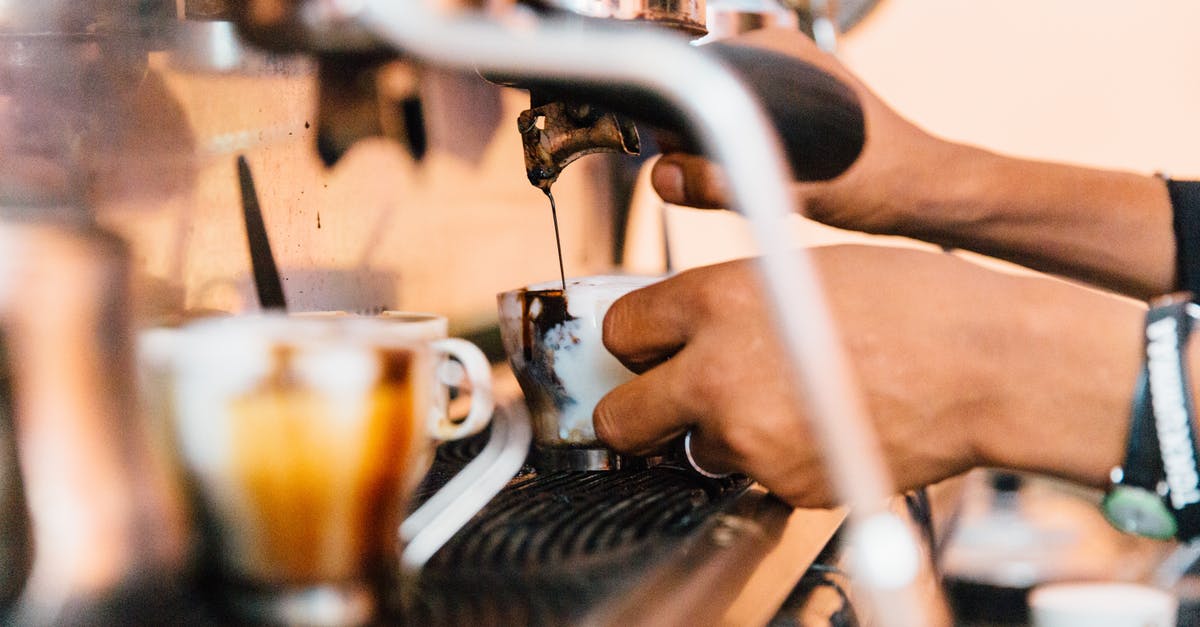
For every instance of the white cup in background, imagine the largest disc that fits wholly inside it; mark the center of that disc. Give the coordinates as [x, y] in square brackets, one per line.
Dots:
[303, 437]
[1102, 604]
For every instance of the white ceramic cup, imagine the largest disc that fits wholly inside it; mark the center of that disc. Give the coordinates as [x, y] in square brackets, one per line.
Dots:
[555, 346]
[1102, 604]
[304, 437]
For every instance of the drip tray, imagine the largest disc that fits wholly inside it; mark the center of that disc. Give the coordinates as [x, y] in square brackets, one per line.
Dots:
[584, 546]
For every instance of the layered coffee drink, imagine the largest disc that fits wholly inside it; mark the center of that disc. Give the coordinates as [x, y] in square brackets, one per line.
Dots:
[304, 438]
[323, 466]
[553, 338]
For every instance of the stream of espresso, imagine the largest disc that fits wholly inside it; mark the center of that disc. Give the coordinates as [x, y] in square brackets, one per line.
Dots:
[557, 240]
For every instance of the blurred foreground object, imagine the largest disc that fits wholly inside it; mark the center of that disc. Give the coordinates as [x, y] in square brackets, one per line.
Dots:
[95, 513]
[108, 532]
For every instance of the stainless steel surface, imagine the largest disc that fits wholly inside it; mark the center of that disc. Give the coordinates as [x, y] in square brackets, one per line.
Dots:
[68, 17]
[557, 548]
[107, 520]
[684, 15]
[735, 570]
[556, 133]
[98, 512]
[575, 459]
[736, 134]
[728, 18]
[66, 70]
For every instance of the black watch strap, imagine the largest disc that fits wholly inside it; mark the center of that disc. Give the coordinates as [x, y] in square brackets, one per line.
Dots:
[1185, 211]
[1135, 502]
[1143, 465]
[1168, 326]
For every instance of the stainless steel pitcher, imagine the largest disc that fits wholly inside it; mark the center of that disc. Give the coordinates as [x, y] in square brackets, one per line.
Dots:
[105, 522]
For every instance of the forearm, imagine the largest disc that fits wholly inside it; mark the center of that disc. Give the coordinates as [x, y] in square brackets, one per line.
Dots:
[1111, 229]
[1068, 384]
[983, 368]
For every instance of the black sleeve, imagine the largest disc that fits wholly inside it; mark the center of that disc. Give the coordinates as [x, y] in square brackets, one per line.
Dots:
[1185, 205]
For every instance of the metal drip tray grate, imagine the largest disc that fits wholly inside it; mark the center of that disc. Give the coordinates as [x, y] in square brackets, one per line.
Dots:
[552, 546]
[564, 521]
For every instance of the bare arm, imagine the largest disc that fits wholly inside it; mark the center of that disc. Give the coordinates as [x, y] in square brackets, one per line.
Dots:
[1112, 229]
[960, 366]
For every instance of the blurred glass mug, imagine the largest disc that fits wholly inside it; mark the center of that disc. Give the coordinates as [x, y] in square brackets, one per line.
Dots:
[555, 346]
[304, 438]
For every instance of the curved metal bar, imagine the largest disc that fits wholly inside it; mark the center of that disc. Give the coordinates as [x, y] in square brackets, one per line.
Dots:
[444, 514]
[735, 132]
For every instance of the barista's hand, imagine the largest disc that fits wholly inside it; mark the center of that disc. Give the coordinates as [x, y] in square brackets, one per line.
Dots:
[1050, 217]
[869, 197]
[960, 366]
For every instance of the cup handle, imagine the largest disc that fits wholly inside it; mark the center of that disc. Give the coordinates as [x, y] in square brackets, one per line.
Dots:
[479, 373]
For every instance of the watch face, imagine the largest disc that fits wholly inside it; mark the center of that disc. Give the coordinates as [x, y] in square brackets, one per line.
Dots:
[1139, 511]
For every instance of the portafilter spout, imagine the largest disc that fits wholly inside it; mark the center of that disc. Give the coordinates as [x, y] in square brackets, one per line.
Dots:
[818, 118]
[556, 133]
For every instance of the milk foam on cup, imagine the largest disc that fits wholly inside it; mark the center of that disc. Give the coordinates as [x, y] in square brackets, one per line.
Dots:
[560, 360]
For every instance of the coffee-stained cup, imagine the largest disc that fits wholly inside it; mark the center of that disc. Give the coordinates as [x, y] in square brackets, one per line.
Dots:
[303, 437]
[554, 344]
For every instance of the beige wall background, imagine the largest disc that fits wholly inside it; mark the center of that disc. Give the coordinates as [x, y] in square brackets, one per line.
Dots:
[1097, 82]
[377, 230]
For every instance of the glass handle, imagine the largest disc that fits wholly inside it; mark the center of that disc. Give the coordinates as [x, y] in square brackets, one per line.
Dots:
[479, 374]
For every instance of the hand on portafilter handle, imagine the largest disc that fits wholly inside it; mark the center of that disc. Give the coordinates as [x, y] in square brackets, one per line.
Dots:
[1047, 216]
[684, 178]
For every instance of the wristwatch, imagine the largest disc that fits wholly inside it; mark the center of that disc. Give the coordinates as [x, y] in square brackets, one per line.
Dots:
[1156, 490]
[1134, 504]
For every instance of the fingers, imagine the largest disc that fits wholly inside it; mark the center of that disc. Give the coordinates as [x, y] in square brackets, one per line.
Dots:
[642, 416]
[684, 179]
[647, 326]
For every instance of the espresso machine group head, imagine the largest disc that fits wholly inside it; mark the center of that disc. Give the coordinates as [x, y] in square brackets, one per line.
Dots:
[558, 130]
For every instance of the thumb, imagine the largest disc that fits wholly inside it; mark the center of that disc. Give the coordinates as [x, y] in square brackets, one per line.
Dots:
[690, 180]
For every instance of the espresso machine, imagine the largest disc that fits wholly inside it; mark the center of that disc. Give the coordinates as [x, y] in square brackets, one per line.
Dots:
[661, 544]
[588, 77]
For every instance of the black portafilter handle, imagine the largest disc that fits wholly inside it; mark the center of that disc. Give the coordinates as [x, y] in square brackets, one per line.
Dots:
[818, 118]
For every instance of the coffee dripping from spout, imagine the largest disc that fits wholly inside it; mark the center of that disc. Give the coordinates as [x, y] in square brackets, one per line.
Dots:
[555, 133]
